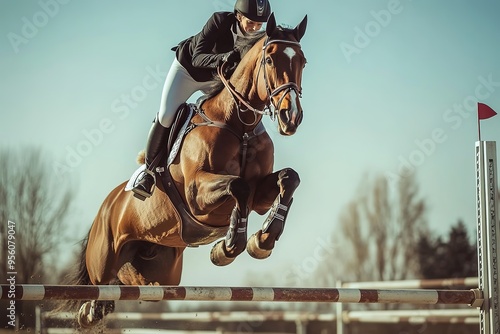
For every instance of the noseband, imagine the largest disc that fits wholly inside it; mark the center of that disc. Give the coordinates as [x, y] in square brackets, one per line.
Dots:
[287, 87]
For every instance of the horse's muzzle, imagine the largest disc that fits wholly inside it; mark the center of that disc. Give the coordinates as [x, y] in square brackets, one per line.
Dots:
[289, 121]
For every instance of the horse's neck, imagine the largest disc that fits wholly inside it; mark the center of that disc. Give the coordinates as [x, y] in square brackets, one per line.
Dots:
[223, 107]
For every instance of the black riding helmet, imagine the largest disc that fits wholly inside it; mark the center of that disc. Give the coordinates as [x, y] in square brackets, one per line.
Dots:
[255, 10]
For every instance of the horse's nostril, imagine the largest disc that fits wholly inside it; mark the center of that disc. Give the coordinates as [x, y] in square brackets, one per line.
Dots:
[288, 116]
[285, 115]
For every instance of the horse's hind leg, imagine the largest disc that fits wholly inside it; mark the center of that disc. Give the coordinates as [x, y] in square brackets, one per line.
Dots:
[141, 263]
[282, 185]
[93, 311]
[96, 264]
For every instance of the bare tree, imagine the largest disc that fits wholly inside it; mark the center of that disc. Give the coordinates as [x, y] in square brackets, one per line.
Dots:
[37, 201]
[380, 233]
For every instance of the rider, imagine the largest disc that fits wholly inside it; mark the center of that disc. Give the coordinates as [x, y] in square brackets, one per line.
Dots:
[193, 69]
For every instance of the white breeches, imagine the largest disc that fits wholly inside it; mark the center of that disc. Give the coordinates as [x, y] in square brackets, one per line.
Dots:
[178, 88]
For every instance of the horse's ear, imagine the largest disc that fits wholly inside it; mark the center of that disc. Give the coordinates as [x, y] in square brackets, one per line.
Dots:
[271, 25]
[300, 30]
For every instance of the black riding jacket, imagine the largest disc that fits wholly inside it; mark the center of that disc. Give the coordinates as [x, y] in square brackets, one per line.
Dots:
[202, 53]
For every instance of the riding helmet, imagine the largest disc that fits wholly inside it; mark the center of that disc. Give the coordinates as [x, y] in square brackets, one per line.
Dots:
[255, 10]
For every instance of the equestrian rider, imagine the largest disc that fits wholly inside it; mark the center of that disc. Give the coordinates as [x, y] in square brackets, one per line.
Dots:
[193, 69]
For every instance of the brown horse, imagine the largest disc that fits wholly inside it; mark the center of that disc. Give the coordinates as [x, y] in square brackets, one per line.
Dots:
[223, 171]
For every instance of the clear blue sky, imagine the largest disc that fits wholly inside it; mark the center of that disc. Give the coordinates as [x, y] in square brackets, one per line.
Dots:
[383, 79]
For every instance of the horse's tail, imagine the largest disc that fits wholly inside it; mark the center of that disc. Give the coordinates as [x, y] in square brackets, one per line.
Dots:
[81, 275]
[78, 276]
[141, 157]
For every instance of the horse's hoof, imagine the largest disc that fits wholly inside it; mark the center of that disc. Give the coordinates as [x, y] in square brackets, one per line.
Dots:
[218, 255]
[84, 316]
[88, 315]
[253, 247]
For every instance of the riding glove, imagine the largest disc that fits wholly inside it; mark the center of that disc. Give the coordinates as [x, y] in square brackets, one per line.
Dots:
[232, 59]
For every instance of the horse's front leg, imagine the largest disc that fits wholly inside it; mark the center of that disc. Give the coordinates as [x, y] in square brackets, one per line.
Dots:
[211, 191]
[276, 191]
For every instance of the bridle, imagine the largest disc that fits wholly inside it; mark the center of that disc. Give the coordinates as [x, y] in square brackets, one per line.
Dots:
[243, 105]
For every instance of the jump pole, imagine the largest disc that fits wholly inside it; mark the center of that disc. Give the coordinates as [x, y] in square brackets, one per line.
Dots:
[256, 294]
[487, 235]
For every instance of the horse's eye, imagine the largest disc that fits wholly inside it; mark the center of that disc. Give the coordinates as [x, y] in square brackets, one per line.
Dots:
[269, 61]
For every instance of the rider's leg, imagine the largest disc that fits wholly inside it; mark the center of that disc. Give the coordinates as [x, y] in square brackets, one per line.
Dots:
[178, 87]
[158, 135]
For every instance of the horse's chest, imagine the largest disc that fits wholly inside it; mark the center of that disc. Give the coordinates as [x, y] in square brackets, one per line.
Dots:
[246, 159]
[256, 155]
[251, 164]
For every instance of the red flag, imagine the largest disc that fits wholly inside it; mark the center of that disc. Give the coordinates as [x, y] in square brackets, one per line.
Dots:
[484, 111]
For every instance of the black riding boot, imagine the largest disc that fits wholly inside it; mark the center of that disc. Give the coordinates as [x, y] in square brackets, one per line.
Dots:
[155, 150]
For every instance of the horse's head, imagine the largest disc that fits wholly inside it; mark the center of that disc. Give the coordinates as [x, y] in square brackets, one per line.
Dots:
[270, 73]
[283, 62]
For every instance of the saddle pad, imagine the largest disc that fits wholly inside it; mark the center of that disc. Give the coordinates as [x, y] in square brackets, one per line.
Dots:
[177, 144]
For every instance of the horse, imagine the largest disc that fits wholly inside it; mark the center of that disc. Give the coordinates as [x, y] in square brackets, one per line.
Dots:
[222, 171]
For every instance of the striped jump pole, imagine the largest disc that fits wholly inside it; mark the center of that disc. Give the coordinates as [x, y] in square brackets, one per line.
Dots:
[339, 295]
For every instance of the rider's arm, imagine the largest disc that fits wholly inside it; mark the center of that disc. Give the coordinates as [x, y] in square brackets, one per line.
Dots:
[203, 55]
